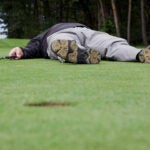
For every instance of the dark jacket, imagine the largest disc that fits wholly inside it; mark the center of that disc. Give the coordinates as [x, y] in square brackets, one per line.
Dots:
[37, 47]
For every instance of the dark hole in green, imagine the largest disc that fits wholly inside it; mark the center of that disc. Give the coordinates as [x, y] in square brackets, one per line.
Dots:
[48, 104]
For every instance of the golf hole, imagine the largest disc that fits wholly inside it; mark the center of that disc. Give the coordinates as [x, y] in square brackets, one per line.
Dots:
[47, 104]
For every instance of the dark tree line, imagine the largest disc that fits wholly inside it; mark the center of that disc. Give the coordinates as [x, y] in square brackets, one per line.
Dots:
[127, 18]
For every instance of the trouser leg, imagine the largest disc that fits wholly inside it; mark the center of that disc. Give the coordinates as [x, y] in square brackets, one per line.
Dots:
[122, 51]
[111, 47]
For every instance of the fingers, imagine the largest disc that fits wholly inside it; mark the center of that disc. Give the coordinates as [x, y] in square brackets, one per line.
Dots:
[17, 51]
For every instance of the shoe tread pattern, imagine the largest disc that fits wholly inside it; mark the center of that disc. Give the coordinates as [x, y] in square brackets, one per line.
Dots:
[70, 51]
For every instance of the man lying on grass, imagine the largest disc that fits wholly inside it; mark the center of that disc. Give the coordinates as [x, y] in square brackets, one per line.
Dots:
[77, 43]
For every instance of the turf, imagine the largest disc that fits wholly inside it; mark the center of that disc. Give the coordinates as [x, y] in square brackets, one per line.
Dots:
[109, 104]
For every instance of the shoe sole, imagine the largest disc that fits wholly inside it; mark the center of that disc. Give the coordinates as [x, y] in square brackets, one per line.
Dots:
[70, 52]
[145, 56]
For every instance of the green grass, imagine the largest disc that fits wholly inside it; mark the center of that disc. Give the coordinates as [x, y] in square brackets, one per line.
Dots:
[109, 104]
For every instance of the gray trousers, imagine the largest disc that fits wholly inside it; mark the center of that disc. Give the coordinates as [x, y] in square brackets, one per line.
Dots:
[110, 47]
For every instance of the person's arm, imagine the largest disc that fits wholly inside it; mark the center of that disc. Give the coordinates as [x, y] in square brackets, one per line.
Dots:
[34, 49]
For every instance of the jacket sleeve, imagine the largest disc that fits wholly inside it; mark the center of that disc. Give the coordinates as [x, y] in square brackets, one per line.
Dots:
[34, 49]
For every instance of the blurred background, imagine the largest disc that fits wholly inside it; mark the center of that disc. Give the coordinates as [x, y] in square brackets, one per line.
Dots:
[129, 19]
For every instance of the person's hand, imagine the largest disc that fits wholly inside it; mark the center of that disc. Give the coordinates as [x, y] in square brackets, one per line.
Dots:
[17, 51]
